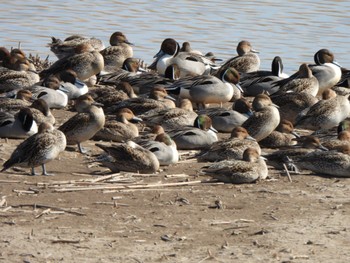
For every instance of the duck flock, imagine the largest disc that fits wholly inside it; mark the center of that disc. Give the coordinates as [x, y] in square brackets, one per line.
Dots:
[141, 116]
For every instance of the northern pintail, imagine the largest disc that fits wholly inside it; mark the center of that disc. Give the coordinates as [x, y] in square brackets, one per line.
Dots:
[261, 81]
[164, 148]
[158, 99]
[305, 81]
[112, 95]
[293, 103]
[86, 62]
[305, 145]
[67, 47]
[171, 118]
[19, 125]
[231, 148]
[120, 129]
[17, 79]
[141, 80]
[129, 157]
[282, 136]
[85, 124]
[41, 112]
[186, 47]
[189, 64]
[71, 84]
[225, 120]
[247, 59]
[207, 89]
[252, 168]
[265, 119]
[22, 99]
[327, 70]
[55, 95]
[331, 163]
[325, 114]
[38, 149]
[200, 136]
[343, 139]
[114, 55]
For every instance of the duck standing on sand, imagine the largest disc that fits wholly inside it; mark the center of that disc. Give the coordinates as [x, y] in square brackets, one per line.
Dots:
[84, 125]
[38, 149]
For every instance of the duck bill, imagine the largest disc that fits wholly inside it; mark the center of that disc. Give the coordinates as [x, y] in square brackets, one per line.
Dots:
[213, 129]
[321, 147]
[273, 104]
[336, 63]
[170, 98]
[136, 119]
[79, 84]
[250, 138]
[159, 54]
[239, 87]
[295, 134]
[95, 103]
[62, 88]
[254, 51]
[129, 43]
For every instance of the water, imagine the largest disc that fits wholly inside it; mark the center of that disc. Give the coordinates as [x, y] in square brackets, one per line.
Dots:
[294, 30]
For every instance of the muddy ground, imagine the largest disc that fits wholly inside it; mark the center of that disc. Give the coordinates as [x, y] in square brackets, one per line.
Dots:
[84, 214]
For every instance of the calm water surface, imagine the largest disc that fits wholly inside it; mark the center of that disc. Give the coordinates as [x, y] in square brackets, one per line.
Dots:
[294, 30]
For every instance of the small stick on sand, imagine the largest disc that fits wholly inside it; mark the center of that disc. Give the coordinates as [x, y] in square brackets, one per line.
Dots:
[286, 169]
[51, 207]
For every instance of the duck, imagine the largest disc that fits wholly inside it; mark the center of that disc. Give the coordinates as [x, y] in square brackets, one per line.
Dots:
[231, 148]
[112, 95]
[305, 81]
[87, 62]
[206, 89]
[325, 114]
[18, 126]
[248, 170]
[171, 118]
[247, 59]
[38, 149]
[186, 47]
[128, 157]
[291, 104]
[41, 112]
[265, 118]
[22, 78]
[225, 120]
[164, 148]
[327, 70]
[342, 140]
[188, 63]
[285, 156]
[52, 92]
[331, 163]
[114, 55]
[130, 69]
[158, 99]
[85, 124]
[121, 129]
[196, 137]
[261, 81]
[23, 98]
[67, 47]
[140, 79]
[71, 84]
[282, 136]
